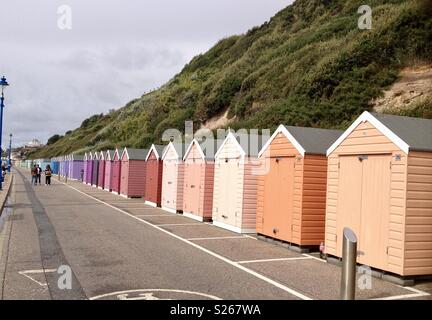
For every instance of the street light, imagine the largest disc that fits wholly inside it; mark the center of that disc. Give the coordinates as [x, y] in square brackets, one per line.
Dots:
[3, 84]
[10, 153]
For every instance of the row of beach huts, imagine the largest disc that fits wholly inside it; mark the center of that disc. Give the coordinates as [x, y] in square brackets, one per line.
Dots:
[302, 186]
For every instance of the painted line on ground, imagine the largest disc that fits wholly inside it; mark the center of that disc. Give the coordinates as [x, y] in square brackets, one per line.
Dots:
[216, 238]
[138, 208]
[178, 224]
[37, 271]
[417, 294]
[250, 237]
[152, 215]
[404, 296]
[315, 258]
[274, 260]
[215, 255]
[26, 273]
[126, 208]
[123, 293]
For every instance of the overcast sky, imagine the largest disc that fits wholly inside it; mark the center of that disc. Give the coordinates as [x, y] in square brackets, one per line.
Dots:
[115, 51]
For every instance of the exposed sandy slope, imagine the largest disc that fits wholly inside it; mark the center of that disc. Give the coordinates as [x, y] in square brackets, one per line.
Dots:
[217, 122]
[413, 87]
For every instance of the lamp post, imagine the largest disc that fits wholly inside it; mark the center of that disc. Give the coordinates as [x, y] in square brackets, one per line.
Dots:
[3, 84]
[10, 153]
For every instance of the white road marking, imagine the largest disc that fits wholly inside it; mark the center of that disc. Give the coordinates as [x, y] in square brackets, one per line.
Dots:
[26, 273]
[417, 293]
[216, 238]
[144, 208]
[415, 290]
[123, 293]
[141, 296]
[38, 271]
[138, 208]
[153, 215]
[273, 260]
[216, 255]
[315, 258]
[178, 224]
[250, 237]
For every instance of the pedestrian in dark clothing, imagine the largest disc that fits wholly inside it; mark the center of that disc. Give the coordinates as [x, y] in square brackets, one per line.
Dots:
[38, 174]
[33, 174]
[48, 174]
[3, 171]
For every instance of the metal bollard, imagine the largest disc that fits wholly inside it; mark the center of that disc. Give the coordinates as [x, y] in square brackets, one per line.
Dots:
[349, 265]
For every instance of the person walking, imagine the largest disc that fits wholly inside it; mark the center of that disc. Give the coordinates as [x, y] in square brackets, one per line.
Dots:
[4, 170]
[48, 173]
[33, 174]
[38, 174]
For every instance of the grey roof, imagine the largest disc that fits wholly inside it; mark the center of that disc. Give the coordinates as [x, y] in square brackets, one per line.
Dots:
[137, 154]
[78, 157]
[180, 148]
[160, 149]
[111, 154]
[314, 140]
[251, 143]
[210, 147]
[416, 132]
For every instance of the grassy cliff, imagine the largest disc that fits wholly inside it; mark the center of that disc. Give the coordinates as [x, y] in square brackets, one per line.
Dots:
[309, 65]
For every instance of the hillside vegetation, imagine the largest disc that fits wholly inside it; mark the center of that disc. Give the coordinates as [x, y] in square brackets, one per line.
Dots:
[309, 65]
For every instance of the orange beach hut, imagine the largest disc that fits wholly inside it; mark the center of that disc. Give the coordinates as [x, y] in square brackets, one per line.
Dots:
[380, 186]
[292, 193]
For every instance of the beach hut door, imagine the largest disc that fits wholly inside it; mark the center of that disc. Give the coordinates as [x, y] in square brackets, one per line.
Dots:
[278, 198]
[364, 205]
[229, 192]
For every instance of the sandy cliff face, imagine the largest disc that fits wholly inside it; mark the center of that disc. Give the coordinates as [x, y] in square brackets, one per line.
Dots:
[413, 87]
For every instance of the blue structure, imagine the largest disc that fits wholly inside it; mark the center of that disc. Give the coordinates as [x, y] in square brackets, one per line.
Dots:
[10, 153]
[43, 163]
[62, 166]
[55, 165]
[3, 84]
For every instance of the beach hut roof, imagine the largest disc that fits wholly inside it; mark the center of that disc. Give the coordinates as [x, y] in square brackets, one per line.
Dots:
[207, 148]
[116, 152]
[306, 140]
[77, 157]
[248, 144]
[109, 154]
[135, 154]
[405, 132]
[157, 149]
[179, 148]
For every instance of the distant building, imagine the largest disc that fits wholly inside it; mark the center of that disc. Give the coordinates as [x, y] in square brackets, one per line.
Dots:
[16, 155]
[35, 143]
